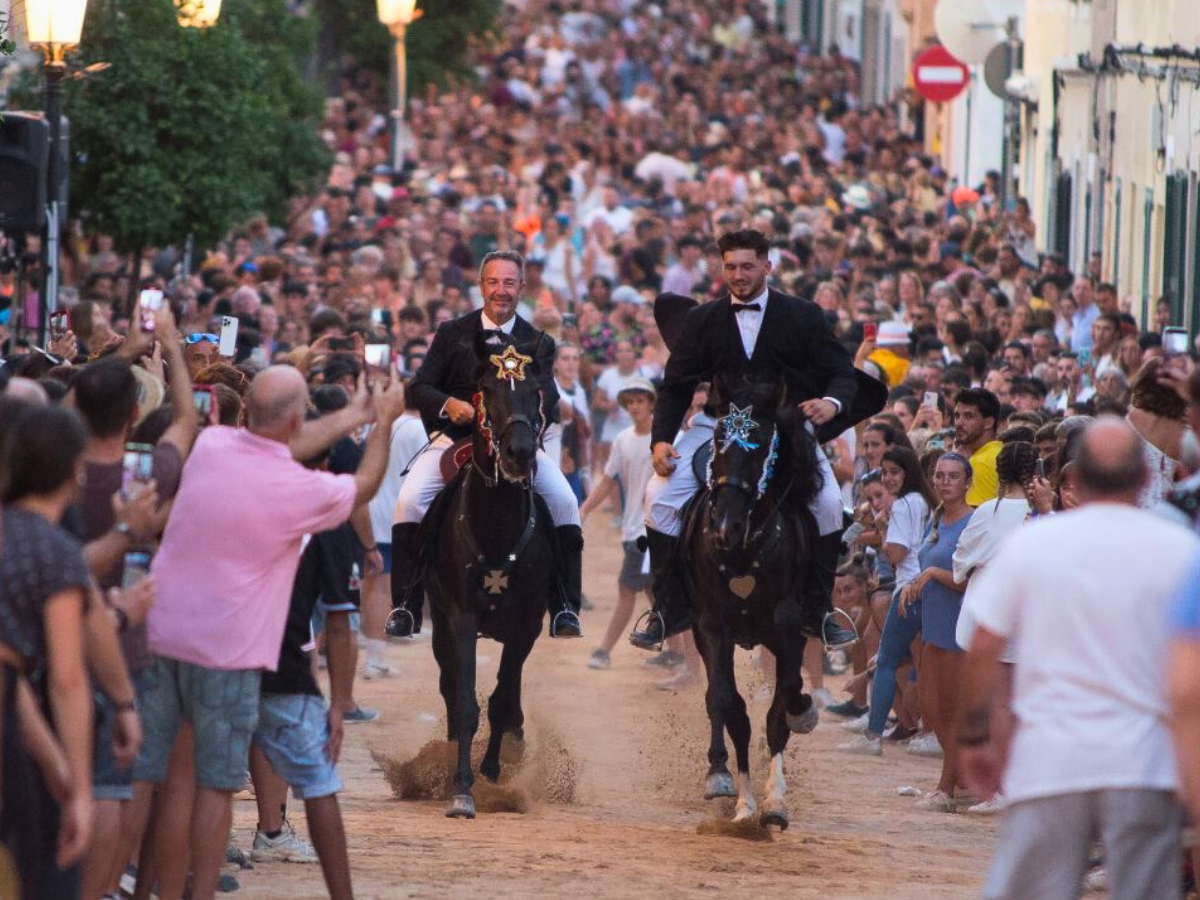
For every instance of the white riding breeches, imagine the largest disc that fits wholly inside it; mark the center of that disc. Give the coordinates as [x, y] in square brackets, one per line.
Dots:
[424, 481]
[666, 497]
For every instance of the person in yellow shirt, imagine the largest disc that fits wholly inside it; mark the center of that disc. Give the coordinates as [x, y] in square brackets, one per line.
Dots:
[976, 412]
[893, 353]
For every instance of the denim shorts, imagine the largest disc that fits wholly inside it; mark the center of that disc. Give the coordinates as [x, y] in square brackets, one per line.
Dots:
[385, 551]
[222, 706]
[293, 730]
[109, 780]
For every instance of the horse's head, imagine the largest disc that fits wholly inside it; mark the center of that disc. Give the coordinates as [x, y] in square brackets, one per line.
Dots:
[744, 454]
[508, 408]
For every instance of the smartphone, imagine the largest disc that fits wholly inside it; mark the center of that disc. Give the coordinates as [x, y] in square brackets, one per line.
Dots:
[378, 356]
[137, 469]
[931, 400]
[1085, 358]
[149, 302]
[1040, 469]
[870, 331]
[228, 342]
[58, 324]
[341, 343]
[202, 396]
[1174, 341]
[377, 316]
[137, 567]
[258, 356]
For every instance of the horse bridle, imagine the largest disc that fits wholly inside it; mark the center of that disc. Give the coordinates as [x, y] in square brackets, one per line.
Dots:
[753, 493]
[484, 422]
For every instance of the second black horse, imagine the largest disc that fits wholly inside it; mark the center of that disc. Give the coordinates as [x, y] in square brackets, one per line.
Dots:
[745, 543]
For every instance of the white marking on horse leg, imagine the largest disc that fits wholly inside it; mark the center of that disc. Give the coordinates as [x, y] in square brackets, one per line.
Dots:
[776, 785]
[746, 807]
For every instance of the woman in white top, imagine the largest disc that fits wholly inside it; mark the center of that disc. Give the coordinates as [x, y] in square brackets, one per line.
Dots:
[1021, 492]
[904, 479]
[560, 269]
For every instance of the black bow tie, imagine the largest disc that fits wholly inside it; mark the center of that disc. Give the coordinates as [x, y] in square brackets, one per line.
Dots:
[746, 307]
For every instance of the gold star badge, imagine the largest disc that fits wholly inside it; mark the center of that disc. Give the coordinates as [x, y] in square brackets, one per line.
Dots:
[510, 365]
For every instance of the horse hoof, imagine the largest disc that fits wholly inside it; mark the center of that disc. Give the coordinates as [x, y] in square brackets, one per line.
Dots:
[517, 734]
[776, 816]
[719, 784]
[461, 807]
[805, 722]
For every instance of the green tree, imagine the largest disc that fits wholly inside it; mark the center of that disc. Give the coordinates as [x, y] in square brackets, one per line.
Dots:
[189, 131]
[437, 42]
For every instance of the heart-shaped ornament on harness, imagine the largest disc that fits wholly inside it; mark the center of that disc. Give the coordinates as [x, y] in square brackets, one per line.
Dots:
[742, 586]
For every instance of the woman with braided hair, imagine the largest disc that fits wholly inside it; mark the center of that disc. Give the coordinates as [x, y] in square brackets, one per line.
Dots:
[1021, 492]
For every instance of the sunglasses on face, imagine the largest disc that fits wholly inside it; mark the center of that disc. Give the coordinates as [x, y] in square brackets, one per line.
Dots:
[197, 336]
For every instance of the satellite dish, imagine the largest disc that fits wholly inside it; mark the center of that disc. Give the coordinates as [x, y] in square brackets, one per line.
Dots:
[971, 30]
[996, 70]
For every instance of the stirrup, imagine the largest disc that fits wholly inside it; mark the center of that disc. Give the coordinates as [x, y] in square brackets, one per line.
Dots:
[572, 619]
[648, 616]
[400, 623]
[837, 612]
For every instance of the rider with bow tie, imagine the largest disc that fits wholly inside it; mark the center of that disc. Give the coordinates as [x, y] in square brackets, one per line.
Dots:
[763, 334]
[442, 390]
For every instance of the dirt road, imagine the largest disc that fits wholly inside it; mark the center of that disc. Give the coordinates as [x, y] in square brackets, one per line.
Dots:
[635, 757]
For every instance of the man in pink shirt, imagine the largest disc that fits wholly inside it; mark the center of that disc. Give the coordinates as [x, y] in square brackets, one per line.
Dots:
[224, 578]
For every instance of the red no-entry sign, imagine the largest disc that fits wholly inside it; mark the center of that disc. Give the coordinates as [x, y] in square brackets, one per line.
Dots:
[938, 75]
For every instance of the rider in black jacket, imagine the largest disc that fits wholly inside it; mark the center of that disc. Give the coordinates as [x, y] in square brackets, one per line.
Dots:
[442, 391]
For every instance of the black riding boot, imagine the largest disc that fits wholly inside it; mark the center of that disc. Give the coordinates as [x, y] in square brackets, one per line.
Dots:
[670, 613]
[564, 611]
[408, 585]
[820, 620]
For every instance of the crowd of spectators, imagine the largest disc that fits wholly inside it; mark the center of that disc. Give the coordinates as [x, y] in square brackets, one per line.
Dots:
[610, 142]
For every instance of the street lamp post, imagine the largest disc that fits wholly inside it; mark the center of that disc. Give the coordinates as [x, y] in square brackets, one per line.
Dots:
[397, 15]
[195, 14]
[54, 27]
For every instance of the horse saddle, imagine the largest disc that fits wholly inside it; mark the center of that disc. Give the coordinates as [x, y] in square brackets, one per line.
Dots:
[455, 457]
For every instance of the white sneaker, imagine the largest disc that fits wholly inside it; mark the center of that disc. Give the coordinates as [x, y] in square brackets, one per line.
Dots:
[988, 807]
[925, 745]
[938, 801]
[864, 745]
[600, 660]
[683, 678]
[372, 669]
[1097, 879]
[857, 726]
[286, 847]
[823, 698]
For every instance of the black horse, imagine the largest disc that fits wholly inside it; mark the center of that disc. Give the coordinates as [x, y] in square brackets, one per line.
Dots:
[745, 542]
[491, 559]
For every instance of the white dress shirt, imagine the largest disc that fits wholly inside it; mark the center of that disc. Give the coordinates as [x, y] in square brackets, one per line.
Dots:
[750, 324]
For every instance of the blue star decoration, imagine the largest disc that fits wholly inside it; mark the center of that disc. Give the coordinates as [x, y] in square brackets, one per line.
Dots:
[737, 426]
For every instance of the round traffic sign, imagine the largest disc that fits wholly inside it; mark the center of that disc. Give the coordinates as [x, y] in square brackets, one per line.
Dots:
[938, 75]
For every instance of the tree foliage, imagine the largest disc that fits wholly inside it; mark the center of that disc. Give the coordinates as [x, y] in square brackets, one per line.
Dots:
[437, 42]
[189, 131]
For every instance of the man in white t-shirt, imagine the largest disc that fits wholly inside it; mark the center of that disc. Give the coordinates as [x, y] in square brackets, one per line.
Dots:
[1083, 596]
[632, 464]
[572, 404]
[408, 439]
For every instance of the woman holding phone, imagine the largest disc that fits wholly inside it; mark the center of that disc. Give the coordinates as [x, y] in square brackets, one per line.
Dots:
[902, 477]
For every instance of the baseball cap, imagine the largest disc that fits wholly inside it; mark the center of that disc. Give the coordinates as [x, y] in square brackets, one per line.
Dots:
[627, 294]
[892, 334]
[963, 195]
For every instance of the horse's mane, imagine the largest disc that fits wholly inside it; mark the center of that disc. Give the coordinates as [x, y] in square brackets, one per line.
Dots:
[797, 446]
